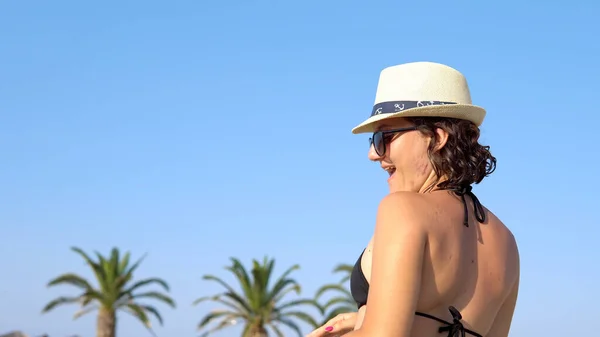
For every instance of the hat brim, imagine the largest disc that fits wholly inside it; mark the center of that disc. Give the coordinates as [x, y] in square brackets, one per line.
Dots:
[468, 112]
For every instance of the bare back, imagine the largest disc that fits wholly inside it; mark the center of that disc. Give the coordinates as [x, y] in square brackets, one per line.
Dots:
[474, 268]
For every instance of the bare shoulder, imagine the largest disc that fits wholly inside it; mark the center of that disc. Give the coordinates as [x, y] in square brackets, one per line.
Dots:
[403, 202]
[502, 233]
[501, 251]
[417, 210]
[509, 250]
[400, 210]
[399, 244]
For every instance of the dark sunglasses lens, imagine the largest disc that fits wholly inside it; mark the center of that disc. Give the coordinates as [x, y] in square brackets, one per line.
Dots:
[378, 143]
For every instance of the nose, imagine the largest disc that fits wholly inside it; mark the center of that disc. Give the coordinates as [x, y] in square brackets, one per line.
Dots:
[373, 156]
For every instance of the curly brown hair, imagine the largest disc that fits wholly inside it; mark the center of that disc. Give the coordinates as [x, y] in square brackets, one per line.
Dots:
[462, 160]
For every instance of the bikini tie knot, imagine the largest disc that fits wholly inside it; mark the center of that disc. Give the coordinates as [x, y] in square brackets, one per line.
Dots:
[456, 329]
[478, 208]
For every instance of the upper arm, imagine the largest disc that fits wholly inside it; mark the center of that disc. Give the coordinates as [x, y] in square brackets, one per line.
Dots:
[360, 317]
[398, 249]
[503, 320]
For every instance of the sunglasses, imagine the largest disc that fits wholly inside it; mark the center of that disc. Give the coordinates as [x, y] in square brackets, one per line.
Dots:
[381, 138]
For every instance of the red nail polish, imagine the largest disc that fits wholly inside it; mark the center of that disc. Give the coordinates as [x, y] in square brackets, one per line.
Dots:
[329, 328]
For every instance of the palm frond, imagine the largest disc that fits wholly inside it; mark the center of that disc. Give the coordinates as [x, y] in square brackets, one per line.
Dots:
[108, 266]
[295, 288]
[112, 273]
[218, 298]
[295, 303]
[226, 321]
[281, 286]
[123, 263]
[70, 279]
[128, 273]
[246, 330]
[94, 295]
[330, 287]
[292, 325]
[283, 281]
[346, 269]
[145, 282]
[337, 301]
[96, 268]
[276, 329]
[153, 311]
[258, 303]
[343, 300]
[155, 295]
[216, 314]
[244, 281]
[138, 312]
[85, 310]
[301, 316]
[338, 310]
[205, 298]
[60, 301]
[234, 295]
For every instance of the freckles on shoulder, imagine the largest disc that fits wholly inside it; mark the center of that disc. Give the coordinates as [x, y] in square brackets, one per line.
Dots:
[401, 218]
[398, 247]
[401, 211]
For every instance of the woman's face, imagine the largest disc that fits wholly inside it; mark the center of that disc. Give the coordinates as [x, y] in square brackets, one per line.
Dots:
[403, 154]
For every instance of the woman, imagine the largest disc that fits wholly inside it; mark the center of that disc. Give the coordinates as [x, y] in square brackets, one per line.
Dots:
[439, 263]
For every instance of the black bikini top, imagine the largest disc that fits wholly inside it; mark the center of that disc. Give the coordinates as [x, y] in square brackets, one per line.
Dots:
[359, 286]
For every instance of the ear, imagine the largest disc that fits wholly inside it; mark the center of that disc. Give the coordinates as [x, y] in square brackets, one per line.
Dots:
[441, 137]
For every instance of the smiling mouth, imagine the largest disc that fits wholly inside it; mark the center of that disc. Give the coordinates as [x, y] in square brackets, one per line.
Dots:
[390, 170]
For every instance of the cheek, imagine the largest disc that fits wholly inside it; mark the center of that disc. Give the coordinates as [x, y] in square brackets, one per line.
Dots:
[413, 156]
[410, 154]
[424, 163]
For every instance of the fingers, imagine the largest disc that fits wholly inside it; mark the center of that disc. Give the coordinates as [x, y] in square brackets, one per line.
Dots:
[339, 325]
[343, 325]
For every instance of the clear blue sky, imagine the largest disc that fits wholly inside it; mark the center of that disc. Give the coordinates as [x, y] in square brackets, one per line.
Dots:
[198, 130]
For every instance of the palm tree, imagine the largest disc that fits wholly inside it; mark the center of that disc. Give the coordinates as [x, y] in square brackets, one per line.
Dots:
[116, 291]
[343, 302]
[258, 306]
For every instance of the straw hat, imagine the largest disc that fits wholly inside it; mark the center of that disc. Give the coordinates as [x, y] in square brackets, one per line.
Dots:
[421, 89]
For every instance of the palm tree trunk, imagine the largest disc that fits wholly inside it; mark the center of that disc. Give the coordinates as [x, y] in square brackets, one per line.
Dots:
[106, 325]
[258, 331]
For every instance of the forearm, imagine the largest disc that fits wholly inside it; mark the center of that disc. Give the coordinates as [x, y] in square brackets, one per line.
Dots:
[363, 333]
[356, 333]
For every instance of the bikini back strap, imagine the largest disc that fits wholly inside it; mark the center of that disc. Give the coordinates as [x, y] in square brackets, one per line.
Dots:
[478, 208]
[456, 328]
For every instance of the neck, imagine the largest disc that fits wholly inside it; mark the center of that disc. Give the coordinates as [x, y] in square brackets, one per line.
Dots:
[431, 182]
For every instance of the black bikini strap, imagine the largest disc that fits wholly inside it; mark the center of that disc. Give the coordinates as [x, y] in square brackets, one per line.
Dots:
[478, 208]
[456, 328]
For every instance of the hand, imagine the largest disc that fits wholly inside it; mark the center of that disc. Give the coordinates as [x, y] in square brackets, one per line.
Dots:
[337, 326]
